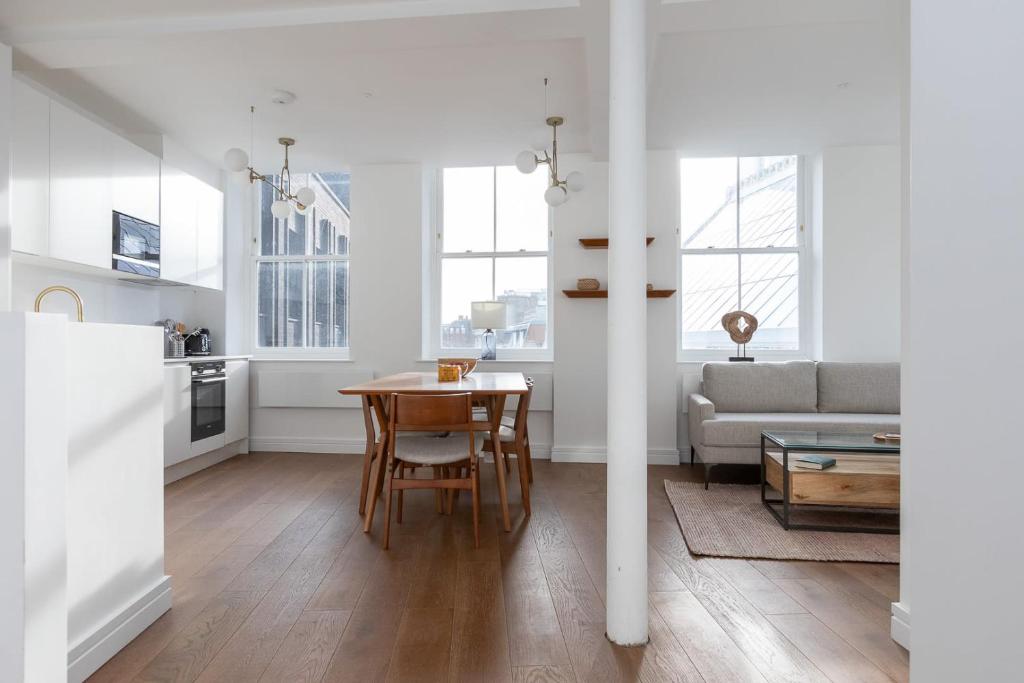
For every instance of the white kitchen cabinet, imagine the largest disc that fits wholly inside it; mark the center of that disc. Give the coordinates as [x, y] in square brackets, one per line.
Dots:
[209, 236]
[135, 181]
[80, 188]
[177, 413]
[236, 416]
[178, 205]
[191, 230]
[30, 170]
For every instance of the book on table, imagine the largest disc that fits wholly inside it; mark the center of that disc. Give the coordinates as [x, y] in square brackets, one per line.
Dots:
[814, 462]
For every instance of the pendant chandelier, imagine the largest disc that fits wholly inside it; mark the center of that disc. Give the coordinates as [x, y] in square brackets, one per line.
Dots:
[527, 162]
[236, 160]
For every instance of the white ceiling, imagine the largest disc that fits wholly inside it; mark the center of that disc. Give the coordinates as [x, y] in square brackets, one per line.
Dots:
[459, 81]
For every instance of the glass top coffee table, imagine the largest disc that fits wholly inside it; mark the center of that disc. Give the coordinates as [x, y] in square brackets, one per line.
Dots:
[865, 478]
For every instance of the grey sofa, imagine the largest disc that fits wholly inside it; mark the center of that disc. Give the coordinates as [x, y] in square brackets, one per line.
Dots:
[740, 400]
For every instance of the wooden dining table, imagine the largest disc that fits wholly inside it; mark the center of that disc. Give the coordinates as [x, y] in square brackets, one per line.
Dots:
[490, 388]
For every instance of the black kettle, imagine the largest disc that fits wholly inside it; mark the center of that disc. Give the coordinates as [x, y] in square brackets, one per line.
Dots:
[198, 342]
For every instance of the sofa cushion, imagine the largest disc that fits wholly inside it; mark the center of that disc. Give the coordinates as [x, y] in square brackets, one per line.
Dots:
[859, 387]
[790, 387]
[744, 429]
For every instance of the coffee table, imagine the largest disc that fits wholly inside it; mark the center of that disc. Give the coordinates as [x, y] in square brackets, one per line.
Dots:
[866, 477]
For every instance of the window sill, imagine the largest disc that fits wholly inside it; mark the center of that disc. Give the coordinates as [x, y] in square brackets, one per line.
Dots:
[519, 361]
[300, 359]
[723, 357]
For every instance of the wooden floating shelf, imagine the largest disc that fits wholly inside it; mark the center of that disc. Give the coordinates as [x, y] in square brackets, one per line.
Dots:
[603, 293]
[601, 242]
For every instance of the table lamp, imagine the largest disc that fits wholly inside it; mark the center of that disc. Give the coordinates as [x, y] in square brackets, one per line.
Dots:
[488, 316]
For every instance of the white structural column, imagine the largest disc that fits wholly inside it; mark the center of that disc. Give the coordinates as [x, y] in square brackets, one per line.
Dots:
[627, 326]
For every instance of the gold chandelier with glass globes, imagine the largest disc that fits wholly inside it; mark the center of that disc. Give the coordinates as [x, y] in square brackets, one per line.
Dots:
[527, 162]
[236, 160]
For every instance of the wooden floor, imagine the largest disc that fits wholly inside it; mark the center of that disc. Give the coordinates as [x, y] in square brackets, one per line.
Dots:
[274, 580]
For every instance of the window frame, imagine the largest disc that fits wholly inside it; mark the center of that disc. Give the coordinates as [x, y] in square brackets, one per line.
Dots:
[432, 346]
[338, 353]
[802, 250]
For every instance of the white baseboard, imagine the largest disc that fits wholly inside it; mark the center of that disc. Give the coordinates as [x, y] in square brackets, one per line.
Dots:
[899, 624]
[301, 444]
[106, 641]
[655, 456]
[306, 444]
[201, 462]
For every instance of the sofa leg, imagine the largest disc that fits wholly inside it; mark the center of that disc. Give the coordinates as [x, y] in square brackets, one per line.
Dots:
[707, 475]
[692, 454]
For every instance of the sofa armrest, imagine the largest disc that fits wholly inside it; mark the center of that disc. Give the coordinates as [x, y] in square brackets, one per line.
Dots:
[702, 406]
[699, 409]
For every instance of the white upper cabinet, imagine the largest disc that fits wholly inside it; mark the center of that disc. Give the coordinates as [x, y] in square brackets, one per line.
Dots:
[69, 174]
[209, 236]
[135, 181]
[178, 204]
[30, 170]
[81, 222]
[191, 230]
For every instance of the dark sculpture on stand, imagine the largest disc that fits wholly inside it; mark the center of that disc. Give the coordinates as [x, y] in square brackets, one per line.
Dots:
[741, 327]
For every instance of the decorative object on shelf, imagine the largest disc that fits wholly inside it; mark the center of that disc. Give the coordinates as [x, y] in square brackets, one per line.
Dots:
[449, 373]
[488, 316]
[467, 365]
[650, 287]
[603, 293]
[601, 242]
[887, 436]
[741, 327]
[588, 284]
[527, 162]
[237, 160]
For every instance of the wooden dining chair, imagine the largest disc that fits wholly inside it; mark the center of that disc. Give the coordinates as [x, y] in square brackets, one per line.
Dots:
[445, 417]
[515, 440]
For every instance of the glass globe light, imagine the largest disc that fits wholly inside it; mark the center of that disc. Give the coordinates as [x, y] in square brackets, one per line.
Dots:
[555, 195]
[306, 196]
[236, 160]
[526, 161]
[574, 182]
[281, 209]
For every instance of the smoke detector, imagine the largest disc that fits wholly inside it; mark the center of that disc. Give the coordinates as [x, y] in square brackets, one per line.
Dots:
[282, 97]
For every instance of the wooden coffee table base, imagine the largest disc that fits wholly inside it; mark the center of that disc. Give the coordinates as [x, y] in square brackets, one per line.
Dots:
[861, 482]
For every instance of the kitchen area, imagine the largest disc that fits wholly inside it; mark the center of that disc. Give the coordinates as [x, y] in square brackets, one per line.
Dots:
[120, 376]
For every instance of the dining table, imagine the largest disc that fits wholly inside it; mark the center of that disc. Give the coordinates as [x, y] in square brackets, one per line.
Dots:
[491, 389]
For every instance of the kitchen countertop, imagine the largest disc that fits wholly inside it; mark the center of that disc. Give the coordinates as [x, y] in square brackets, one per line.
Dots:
[203, 359]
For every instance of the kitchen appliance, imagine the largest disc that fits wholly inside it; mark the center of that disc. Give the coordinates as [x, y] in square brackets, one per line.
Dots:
[198, 342]
[136, 246]
[208, 399]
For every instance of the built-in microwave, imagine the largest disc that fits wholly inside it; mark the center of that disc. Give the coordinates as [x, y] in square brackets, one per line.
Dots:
[136, 246]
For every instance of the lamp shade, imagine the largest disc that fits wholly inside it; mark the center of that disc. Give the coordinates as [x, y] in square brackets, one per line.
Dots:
[488, 315]
[236, 159]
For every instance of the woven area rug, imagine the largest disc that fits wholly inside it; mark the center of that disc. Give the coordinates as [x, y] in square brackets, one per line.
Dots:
[729, 520]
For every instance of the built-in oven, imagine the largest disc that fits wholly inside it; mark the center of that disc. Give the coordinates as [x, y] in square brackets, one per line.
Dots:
[208, 399]
[136, 246]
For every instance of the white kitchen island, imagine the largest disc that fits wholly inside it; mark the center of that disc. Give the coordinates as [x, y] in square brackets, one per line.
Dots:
[81, 415]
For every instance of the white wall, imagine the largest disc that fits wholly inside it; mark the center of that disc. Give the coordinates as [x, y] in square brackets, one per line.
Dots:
[33, 538]
[857, 245]
[963, 371]
[115, 515]
[5, 172]
[580, 325]
[110, 301]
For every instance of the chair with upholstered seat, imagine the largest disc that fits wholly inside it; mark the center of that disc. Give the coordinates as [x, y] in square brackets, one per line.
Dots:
[515, 439]
[445, 418]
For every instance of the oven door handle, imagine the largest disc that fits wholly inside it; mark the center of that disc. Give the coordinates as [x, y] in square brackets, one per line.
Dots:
[209, 380]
